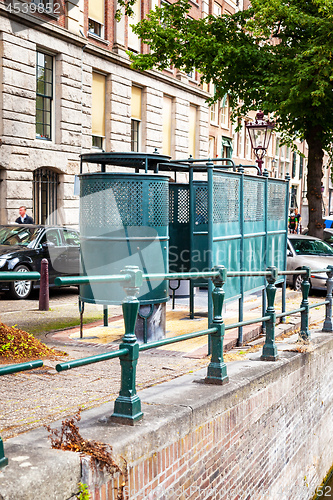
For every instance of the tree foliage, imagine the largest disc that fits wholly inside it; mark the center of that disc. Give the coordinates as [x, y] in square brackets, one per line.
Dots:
[275, 56]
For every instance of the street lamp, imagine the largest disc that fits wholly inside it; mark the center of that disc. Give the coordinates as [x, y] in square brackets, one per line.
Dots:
[260, 132]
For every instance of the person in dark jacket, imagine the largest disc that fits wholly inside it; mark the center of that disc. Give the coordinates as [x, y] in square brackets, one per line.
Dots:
[24, 217]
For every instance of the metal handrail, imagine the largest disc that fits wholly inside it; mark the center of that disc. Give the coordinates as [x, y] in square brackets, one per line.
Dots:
[127, 407]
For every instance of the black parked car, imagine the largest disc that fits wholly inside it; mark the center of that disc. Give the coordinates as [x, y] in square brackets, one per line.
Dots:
[22, 248]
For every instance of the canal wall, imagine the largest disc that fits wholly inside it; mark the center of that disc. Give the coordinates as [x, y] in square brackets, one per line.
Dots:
[267, 434]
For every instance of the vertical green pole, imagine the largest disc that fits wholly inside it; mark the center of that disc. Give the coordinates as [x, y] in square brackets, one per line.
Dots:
[328, 324]
[264, 263]
[210, 240]
[217, 369]
[269, 351]
[3, 459]
[304, 334]
[210, 263]
[105, 315]
[284, 285]
[241, 263]
[192, 229]
[127, 407]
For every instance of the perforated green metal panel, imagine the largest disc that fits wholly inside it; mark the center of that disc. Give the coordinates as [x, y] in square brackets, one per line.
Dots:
[124, 220]
[249, 227]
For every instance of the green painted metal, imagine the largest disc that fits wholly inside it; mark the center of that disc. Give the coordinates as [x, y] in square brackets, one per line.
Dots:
[61, 367]
[85, 280]
[319, 304]
[7, 370]
[15, 276]
[127, 407]
[124, 220]
[269, 351]
[181, 276]
[305, 332]
[247, 322]
[174, 340]
[3, 459]
[105, 316]
[289, 313]
[217, 369]
[328, 324]
[20, 367]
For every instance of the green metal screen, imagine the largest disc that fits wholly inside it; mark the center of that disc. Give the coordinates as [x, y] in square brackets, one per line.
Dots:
[249, 221]
[124, 221]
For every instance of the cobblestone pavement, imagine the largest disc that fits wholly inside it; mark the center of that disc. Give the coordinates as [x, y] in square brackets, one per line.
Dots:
[31, 399]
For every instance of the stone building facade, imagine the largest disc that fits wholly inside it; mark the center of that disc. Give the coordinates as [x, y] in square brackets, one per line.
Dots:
[68, 88]
[51, 66]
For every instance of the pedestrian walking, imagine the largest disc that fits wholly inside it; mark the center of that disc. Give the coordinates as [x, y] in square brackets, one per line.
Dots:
[24, 218]
[298, 218]
[292, 223]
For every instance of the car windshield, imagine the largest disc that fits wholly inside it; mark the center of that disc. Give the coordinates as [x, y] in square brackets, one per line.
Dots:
[311, 247]
[22, 236]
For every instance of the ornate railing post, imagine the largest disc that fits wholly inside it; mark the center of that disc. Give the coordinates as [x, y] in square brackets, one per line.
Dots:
[3, 459]
[328, 324]
[304, 333]
[127, 407]
[217, 369]
[269, 351]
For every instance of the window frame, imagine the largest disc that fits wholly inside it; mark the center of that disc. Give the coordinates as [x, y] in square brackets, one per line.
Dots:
[138, 134]
[45, 98]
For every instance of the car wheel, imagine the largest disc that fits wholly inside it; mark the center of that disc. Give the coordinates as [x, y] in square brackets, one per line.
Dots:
[20, 289]
[298, 282]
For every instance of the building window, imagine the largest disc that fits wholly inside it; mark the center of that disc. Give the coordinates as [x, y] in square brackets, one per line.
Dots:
[96, 14]
[97, 142]
[98, 110]
[217, 10]
[167, 125]
[224, 112]
[214, 107]
[136, 113]
[293, 172]
[45, 194]
[135, 135]
[192, 130]
[248, 147]
[226, 147]
[46, 6]
[211, 147]
[44, 96]
[134, 42]
[301, 167]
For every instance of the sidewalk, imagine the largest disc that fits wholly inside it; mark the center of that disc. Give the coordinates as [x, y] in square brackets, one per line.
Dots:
[41, 396]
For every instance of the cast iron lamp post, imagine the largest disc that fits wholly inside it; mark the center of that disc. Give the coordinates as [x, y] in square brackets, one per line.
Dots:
[260, 132]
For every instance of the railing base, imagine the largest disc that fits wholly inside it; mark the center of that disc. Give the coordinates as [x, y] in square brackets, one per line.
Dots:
[269, 357]
[3, 459]
[127, 410]
[328, 326]
[120, 419]
[216, 381]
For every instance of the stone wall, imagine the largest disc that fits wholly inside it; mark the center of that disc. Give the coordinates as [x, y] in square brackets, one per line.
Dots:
[75, 58]
[267, 434]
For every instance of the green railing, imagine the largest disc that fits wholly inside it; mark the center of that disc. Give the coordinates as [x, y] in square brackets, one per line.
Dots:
[19, 367]
[127, 408]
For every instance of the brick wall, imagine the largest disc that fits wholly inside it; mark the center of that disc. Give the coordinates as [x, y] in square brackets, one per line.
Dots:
[265, 435]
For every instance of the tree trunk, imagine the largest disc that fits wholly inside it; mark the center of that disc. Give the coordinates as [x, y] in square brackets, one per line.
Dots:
[314, 183]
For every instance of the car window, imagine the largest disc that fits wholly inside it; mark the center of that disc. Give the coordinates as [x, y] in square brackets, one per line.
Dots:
[311, 247]
[22, 236]
[71, 238]
[53, 237]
